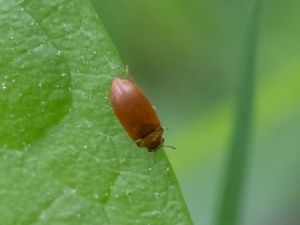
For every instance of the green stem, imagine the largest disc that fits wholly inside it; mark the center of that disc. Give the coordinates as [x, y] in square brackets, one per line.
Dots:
[238, 156]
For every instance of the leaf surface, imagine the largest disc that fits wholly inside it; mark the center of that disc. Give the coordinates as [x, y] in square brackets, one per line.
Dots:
[64, 158]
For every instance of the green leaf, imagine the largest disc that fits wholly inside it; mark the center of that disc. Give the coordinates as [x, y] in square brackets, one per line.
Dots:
[64, 158]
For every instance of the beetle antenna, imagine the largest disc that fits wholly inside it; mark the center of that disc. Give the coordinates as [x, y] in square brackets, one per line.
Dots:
[129, 77]
[169, 146]
[126, 70]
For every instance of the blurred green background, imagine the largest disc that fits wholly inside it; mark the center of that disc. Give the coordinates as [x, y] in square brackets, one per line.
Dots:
[186, 55]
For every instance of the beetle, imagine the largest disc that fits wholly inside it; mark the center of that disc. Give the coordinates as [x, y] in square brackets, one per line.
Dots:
[136, 114]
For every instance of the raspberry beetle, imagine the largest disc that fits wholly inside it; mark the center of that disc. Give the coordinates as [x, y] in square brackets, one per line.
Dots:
[136, 114]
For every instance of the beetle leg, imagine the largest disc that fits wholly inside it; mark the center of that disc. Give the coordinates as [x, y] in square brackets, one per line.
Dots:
[138, 141]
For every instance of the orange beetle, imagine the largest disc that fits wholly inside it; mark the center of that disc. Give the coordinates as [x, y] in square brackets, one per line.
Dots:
[136, 114]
